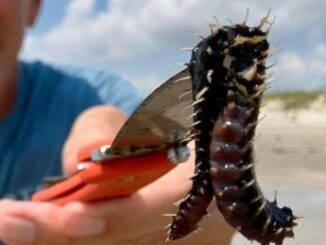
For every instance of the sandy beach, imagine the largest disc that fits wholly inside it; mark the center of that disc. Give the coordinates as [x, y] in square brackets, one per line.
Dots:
[291, 159]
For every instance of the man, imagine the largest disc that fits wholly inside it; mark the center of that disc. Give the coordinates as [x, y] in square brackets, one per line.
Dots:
[37, 104]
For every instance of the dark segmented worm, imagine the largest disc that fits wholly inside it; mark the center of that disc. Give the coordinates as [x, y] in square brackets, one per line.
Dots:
[228, 73]
[193, 207]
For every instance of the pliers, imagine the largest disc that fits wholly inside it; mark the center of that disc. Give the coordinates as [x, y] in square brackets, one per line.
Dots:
[152, 141]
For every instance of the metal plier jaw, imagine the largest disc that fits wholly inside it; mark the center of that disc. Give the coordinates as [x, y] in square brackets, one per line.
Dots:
[104, 174]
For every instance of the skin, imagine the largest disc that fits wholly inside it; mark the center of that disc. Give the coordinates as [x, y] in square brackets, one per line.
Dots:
[136, 219]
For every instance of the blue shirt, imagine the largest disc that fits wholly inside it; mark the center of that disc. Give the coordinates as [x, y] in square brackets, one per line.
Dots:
[48, 101]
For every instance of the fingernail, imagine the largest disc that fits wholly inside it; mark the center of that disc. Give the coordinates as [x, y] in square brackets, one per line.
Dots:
[83, 225]
[17, 229]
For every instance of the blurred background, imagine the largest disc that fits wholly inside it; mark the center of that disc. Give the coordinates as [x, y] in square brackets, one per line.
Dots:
[140, 40]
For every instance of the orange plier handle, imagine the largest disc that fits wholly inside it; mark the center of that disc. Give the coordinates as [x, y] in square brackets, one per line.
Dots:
[103, 181]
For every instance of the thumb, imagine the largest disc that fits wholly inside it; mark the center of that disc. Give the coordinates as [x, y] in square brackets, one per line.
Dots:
[97, 123]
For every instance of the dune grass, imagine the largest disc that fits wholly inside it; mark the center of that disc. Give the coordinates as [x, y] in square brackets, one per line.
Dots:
[294, 100]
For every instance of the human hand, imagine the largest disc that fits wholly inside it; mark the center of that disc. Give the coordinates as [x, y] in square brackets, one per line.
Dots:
[136, 219]
[132, 220]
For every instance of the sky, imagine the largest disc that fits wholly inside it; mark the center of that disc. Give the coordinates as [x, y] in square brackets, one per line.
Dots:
[141, 40]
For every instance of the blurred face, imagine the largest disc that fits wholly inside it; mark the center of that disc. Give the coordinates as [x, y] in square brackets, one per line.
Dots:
[15, 16]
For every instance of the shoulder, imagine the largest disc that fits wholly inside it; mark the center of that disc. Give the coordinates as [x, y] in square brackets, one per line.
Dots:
[41, 72]
[89, 84]
[46, 77]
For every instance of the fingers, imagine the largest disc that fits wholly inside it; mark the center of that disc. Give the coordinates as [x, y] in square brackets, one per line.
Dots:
[21, 222]
[97, 123]
[75, 221]
[44, 223]
[14, 230]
